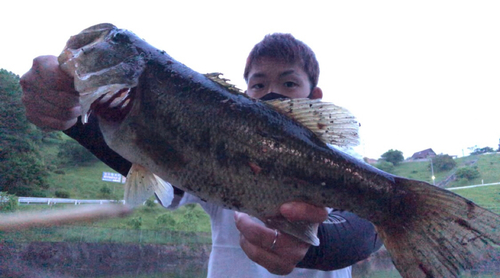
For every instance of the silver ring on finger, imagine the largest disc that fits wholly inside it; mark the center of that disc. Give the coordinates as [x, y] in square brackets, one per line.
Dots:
[275, 239]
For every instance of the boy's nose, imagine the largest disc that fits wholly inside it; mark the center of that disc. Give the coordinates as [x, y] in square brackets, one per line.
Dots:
[271, 89]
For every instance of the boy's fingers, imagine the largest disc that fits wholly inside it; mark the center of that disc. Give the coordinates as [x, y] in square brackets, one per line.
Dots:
[274, 250]
[298, 211]
[254, 232]
[273, 262]
[46, 70]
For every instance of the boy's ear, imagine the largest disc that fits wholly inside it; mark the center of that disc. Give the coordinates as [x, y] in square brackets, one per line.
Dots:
[316, 93]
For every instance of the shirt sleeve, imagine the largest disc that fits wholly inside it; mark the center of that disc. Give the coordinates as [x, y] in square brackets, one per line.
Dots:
[345, 239]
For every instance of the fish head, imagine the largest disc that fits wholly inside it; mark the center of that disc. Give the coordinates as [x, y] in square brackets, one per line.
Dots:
[104, 63]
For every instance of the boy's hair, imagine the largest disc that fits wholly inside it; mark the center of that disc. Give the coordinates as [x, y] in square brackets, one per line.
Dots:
[288, 49]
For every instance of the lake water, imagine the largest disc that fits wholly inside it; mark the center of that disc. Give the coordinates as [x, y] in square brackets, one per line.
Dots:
[44, 260]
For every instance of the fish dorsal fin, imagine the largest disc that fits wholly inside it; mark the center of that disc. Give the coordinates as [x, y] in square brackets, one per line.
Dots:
[333, 124]
[217, 78]
[142, 184]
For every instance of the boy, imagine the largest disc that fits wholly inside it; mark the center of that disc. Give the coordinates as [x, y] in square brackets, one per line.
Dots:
[278, 66]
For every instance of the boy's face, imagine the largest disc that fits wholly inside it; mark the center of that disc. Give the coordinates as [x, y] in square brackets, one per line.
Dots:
[268, 75]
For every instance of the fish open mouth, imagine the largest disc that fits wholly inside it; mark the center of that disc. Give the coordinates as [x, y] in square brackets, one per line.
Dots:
[105, 66]
[114, 106]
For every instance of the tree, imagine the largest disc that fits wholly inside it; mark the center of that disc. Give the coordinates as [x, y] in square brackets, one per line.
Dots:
[393, 156]
[482, 150]
[22, 170]
[443, 162]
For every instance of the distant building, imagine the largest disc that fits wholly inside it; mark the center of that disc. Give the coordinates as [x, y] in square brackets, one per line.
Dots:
[370, 160]
[423, 154]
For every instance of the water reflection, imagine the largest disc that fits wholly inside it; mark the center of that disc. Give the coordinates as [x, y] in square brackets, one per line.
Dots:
[44, 260]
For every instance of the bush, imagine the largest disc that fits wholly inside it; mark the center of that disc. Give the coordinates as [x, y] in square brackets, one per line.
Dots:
[105, 192]
[467, 173]
[59, 172]
[150, 203]
[8, 202]
[191, 217]
[443, 162]
[135, 223]
[165, 220]
[385, 166]
[62, 194]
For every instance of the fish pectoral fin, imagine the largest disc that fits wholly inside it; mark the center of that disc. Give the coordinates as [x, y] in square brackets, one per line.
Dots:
[303, 230]
[164, 192]
[333, 124]
[142, 184]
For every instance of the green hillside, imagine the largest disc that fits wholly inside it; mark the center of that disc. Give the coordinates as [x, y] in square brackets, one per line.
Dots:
[488, 166]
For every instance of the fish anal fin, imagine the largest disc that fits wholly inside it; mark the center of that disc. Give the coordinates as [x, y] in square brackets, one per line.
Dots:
[303, 230]
[333, 124]
[142, 184]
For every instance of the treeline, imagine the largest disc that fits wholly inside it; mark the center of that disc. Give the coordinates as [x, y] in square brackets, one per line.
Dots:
[23, 170]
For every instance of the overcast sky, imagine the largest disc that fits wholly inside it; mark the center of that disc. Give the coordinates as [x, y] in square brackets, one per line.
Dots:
[417, 74]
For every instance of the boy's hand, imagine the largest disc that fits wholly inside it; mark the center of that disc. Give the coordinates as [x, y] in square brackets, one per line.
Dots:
[50, 100]
[256, 240]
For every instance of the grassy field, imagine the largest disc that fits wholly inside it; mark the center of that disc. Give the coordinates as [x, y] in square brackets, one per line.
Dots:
[487, 196]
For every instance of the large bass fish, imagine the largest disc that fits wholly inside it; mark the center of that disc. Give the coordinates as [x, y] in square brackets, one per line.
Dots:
[201, 136]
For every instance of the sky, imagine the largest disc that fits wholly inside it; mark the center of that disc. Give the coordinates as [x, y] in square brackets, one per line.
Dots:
[416, 74]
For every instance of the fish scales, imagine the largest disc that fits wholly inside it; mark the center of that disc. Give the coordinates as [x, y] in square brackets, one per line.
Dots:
[251, 156]
[205, 149]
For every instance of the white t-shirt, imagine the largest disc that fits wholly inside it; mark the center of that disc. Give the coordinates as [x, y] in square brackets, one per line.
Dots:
[227, 259]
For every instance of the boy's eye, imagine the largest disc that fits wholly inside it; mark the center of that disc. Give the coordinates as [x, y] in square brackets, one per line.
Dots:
[258, 86]
[290, 84]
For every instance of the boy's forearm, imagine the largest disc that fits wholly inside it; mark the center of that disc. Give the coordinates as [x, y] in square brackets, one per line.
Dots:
[90, 137]
[350, 240]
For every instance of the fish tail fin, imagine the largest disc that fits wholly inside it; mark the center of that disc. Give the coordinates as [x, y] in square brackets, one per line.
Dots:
[444, 235]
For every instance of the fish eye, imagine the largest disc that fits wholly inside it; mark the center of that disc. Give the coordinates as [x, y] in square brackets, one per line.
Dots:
[119, 37]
